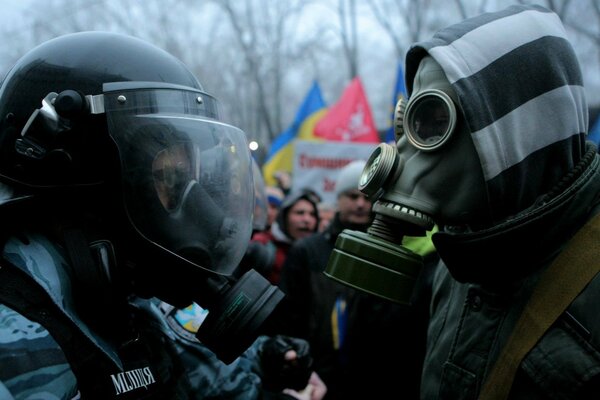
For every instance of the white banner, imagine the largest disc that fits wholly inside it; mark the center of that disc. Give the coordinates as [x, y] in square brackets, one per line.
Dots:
[317, 164]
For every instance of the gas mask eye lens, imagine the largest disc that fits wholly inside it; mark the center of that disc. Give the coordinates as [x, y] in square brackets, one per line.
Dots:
[430, 119]
[368, 173]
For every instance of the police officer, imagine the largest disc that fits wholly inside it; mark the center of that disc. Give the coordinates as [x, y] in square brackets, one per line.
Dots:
[121, 185]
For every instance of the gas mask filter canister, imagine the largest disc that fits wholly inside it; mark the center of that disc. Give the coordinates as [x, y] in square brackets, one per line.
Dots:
[375, 261]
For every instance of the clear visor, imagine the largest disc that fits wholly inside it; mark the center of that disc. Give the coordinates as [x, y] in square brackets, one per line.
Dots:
[187, 179]
[430, 119]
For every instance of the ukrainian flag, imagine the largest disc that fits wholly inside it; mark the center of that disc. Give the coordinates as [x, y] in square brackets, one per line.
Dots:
[594, 133]
[281, 153]
[399, 91]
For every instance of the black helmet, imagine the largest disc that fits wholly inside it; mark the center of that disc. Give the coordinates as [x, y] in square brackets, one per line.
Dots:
[64, 149]
[89, 108]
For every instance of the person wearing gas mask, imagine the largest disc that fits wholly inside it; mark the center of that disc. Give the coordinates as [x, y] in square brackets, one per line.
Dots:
[122, 189]
[491, 147]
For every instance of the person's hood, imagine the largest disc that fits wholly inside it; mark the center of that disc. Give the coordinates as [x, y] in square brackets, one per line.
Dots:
[521, 91]
[291, 199]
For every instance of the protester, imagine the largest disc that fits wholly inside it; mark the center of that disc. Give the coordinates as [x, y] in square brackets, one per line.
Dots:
[495, 154]
[326, 213]
[360, 343]
[298, 217]
[121, 185]
[275, 197]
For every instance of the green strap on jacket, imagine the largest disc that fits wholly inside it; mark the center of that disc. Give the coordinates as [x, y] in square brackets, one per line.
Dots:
[576, 265]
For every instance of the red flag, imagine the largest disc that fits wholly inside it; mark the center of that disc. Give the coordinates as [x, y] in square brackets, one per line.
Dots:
[350, 119]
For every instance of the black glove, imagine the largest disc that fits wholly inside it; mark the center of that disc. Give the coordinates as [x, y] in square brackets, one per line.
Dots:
[260, 257]
[279, 373]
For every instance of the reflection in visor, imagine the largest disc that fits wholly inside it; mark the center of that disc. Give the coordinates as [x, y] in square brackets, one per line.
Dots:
[172, 171]
[431, 119]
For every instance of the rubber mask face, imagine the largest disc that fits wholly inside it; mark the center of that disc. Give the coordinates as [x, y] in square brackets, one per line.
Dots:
[441, 175]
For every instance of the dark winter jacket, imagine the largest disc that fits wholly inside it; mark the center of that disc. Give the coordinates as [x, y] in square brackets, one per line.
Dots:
[49, 348]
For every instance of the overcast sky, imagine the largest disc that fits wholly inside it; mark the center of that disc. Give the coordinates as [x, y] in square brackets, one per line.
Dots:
[378, 72]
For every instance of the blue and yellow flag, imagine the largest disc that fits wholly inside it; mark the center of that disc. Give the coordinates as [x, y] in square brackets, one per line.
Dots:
[281, 153]
[594, 133]
[399, 91]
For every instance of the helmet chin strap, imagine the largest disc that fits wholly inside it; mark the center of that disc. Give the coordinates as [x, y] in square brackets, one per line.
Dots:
[94, 280]
[84, 269]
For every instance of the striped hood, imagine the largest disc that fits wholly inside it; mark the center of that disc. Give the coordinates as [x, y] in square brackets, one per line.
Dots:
[521, 91]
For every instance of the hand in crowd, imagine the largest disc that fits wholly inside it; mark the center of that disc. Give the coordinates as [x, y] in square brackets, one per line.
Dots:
[315, 390]
[284, 180]
[287, 368]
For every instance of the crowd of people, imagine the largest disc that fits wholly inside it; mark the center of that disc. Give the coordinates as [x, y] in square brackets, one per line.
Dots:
[135, 265]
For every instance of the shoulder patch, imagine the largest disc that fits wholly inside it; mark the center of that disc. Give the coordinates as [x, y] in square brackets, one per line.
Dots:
[186, 321]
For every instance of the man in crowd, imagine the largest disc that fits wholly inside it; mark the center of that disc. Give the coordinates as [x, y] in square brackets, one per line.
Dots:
[298, 217]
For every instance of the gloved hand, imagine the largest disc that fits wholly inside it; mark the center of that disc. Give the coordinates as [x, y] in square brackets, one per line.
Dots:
[282, 371]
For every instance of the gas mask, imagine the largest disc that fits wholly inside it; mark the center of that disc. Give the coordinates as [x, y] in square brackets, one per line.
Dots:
[426, 179]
